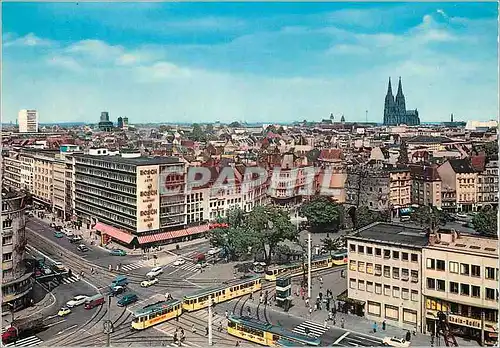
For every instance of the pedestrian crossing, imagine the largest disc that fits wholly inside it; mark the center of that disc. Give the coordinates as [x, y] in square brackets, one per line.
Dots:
[188, 266]
[132, 266]
[352, 340]
[314, 329]
[69, 280]
[26, 342]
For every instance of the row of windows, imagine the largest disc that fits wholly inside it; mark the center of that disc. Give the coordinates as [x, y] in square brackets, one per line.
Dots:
[396, 274]
[107, 184]
[108, 174]
[394, 255]
[99, 202]
[394, 291]
[461, 288]
[105, 193]
[462, 268]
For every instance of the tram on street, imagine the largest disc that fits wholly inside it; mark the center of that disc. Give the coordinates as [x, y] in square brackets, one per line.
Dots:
[340, 257]
[200, 299]
[156, 313]
[317, 263]
[266, 334]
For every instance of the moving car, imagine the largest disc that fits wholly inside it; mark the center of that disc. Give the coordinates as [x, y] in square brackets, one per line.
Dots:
[179, 262]
[395, 342]
[58, 234]
[58, 266]
[117, 290]
[127, 299]
[82, 247]
[118, 252]
[76, 301]
[154, 272]
[52, 225]
[64, 311]
[66, 231]
[201, 265]
[213, 251]
[75, 239]
[149, 282]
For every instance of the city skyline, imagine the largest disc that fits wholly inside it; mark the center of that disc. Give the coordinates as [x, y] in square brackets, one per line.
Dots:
[254, 62]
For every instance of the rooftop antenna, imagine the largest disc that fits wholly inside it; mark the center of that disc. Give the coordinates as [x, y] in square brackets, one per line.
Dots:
[366, 116]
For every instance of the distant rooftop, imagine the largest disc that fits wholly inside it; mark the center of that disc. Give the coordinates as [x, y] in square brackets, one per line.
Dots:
[392, 234]
[134, 160]
[467, 243]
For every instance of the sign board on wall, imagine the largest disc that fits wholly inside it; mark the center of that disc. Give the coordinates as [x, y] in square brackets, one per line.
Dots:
[148, 198]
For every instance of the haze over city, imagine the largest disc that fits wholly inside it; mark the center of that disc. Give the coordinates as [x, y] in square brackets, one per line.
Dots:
[253, 62]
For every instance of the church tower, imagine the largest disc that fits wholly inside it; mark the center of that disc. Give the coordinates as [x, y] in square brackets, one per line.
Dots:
[400, 104]
[389, 105]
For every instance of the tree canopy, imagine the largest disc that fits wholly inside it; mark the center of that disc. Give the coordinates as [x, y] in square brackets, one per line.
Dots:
[322, 214]
[486, 222]
[197, 134]
[364, 216]
[430, 215]
[261, 230]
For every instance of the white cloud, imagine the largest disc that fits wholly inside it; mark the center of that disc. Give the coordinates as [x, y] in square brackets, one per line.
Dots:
[67, 63]
[27, 40]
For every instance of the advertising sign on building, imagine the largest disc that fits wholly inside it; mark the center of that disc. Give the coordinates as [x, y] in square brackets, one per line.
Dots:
[148, 198]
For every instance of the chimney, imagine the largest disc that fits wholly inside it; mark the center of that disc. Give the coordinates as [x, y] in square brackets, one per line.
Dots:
[433, 238]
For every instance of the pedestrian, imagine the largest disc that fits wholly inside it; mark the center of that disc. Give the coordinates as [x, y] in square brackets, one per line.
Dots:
[237, 343]
[251, 296]
[330, 317]
[408, 336]
[383, 325]
[307, 302]
[206, 330]
[374, 327]
[325, 324]
[342, 323]
[182, 335]
[249, 311]
[310, 311]
[334, 320]
[193, 329]
[226, 314]
[175, 336]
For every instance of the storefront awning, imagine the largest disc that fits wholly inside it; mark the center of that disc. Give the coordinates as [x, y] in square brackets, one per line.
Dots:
[157, 237]
[113, 232]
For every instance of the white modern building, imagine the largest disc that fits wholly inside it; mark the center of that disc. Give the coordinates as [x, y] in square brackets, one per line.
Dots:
[28, 121]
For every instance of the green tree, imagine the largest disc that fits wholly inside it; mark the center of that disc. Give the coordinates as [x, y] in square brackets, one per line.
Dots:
[197, 134]
[329, 245]
[364, 216]
[491, 148]
[322, 213]
[486, 222]
[429, 215]
[209, 128]
[312, 156]
[270, 225]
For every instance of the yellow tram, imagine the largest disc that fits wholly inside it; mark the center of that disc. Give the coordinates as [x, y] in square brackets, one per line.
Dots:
[200, 299]
[266, 334]
[317, 263]
[340, 257]
[156, 313]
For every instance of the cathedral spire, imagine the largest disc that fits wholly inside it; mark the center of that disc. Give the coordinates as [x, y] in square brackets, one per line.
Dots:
[400, 88]
[389, 88]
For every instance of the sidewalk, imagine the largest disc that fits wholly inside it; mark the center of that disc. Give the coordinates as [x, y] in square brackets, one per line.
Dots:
[48, 301]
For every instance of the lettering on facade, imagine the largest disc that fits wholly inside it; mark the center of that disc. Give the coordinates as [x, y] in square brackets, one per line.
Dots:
[148, 199]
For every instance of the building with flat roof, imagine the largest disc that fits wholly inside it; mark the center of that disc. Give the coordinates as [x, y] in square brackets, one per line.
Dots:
[129, 197]
[28, 121]
[461, 279]
[384, 273]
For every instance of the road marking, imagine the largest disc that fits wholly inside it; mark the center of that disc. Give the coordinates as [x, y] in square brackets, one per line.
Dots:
[57, 322]
[52, 316]
[341, 338]
[374, 339]
[67, 329]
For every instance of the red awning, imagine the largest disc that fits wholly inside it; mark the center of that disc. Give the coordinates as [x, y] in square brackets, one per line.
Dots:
[155, 237]
[113, 232]
[173, 234]
[198, 229]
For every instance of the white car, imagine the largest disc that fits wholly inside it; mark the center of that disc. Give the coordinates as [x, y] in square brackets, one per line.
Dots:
[213, 251]
[66, 231]
[76, 301]
[395, 342]
[154, 272]
[149, 282]
[179, 262]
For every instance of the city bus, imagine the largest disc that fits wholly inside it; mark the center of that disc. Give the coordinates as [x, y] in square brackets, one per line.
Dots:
[156, 313]
[200, 299]
[317, 263]
[266, 334]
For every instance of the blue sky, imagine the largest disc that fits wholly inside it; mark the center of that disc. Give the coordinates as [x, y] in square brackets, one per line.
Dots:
[253, 62]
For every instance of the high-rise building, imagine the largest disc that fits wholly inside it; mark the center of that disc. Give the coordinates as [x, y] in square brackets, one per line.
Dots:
[105, 124]
[395, 112]
[119, 123]
[28, 121]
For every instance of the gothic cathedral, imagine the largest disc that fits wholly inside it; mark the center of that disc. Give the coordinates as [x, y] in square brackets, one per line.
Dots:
[395, 112]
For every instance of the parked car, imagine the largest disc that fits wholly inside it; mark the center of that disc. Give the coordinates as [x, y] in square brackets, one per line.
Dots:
[75, 239]
[58, 234]
[179, 262]
[76, 301]
[127, 299]
[154, 272]
[70, 235]
[82, 247]
[395, 342]
[149, 282]
[66, 231]
[64, 311]
[118, 252]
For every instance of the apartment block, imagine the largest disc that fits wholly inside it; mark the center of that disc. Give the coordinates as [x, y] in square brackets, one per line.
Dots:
[460, 274]
[11, 167]
[400, 184]
[426, 186]
[385, 272]
[458, 175]
[28, 121]
[487, 180]
[43, 177]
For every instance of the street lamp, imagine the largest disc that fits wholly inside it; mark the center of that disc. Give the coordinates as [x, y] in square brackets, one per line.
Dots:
[210, 321]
